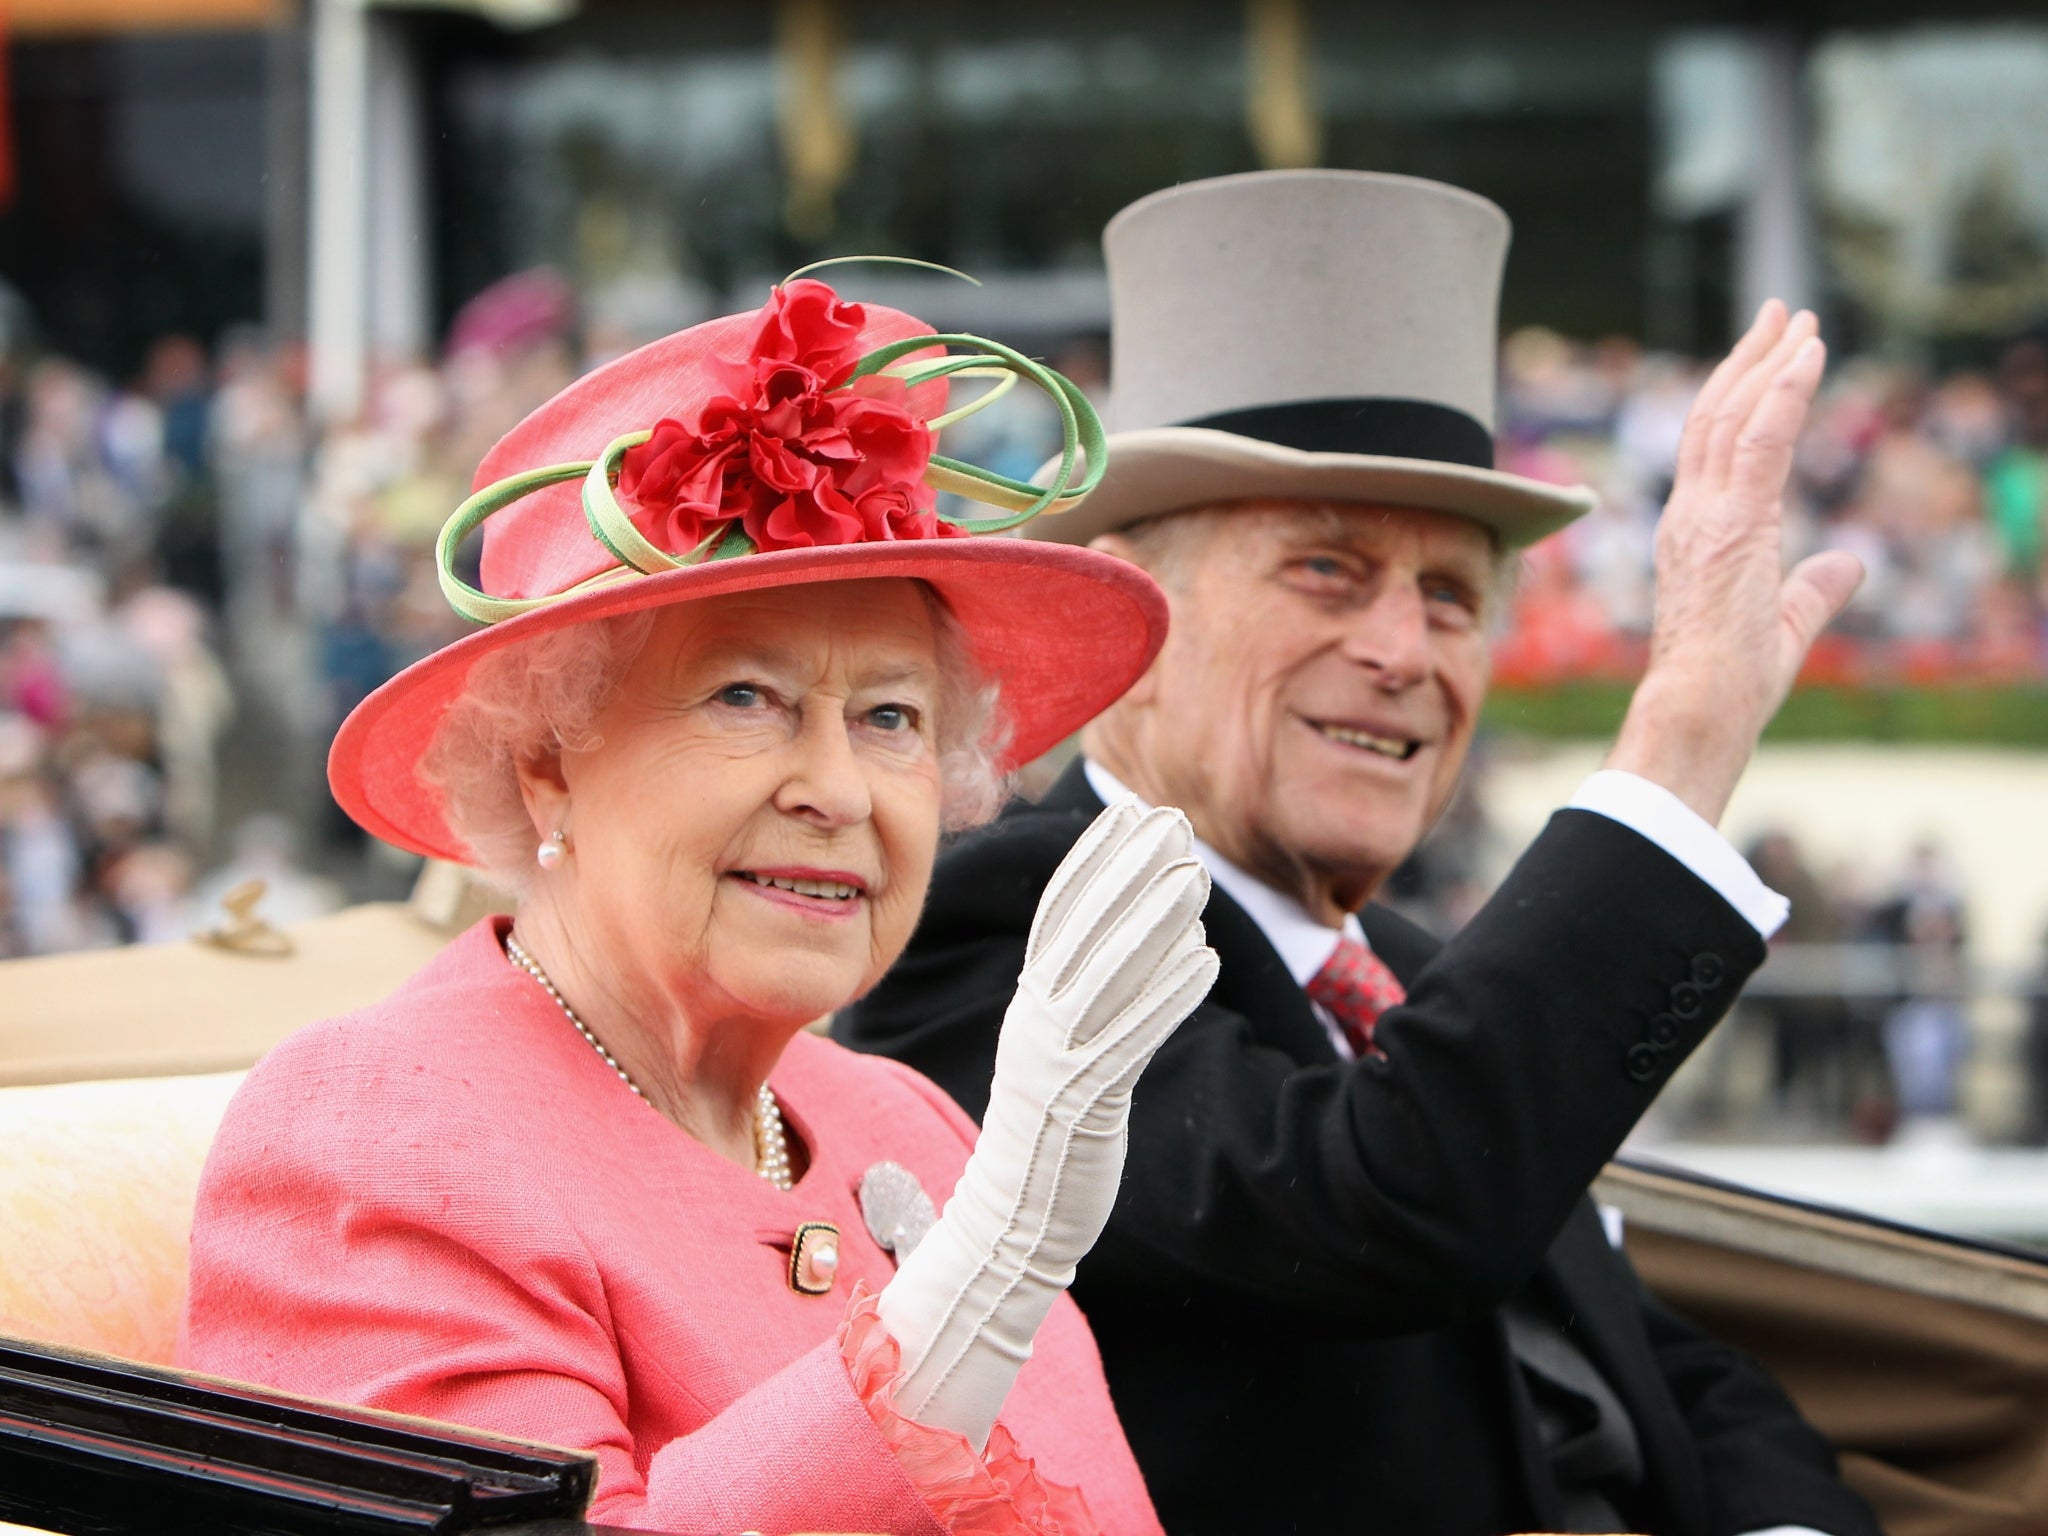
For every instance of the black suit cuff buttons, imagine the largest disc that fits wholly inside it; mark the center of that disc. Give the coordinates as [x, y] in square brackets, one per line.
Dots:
[1647, 1058]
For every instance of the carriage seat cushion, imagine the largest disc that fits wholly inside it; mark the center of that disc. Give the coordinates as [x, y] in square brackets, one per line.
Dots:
[97, 1182]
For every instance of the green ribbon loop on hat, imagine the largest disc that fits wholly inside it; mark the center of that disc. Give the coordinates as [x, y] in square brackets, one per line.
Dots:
[481, 607]
[1080, 431]
[1080, 434]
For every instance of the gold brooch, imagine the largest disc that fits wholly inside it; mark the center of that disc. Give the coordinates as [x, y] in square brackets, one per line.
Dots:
[814, 1258]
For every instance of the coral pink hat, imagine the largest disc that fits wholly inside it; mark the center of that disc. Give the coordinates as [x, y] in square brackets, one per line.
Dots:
[788, 445]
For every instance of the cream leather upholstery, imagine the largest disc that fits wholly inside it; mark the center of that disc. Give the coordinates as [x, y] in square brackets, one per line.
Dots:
[97, 1181]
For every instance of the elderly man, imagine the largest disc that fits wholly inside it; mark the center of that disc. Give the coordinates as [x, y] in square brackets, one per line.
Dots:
[1353, 1281]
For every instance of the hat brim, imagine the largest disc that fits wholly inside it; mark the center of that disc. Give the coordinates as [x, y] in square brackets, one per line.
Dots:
[1157, 470]
[1062, 632]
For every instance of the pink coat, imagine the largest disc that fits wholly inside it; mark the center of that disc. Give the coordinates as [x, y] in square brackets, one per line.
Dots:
[447, 1205]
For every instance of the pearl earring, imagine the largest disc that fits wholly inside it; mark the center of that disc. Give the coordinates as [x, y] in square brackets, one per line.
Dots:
[553, 851]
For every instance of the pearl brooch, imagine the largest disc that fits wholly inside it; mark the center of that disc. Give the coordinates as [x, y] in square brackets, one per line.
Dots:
[814, 1258]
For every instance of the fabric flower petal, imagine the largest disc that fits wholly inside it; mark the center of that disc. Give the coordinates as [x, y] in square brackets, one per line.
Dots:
[806, 322]
[804, 519]
[799, 462]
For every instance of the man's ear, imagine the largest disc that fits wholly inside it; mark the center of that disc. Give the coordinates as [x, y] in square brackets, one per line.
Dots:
[545, 791]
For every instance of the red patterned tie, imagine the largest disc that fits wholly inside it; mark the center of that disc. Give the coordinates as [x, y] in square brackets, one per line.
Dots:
[1356, 986]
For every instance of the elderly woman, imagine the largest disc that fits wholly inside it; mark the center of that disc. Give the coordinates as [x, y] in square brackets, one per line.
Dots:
[586, 1178]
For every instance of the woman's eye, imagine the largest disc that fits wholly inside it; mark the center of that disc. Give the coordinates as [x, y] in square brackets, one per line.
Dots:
[893, 717]
[739, 695]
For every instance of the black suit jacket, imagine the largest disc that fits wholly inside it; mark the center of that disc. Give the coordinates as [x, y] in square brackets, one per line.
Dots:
[1297, 1297]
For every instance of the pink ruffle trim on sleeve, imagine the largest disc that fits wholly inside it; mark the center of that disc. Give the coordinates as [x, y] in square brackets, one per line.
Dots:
[998, 1493]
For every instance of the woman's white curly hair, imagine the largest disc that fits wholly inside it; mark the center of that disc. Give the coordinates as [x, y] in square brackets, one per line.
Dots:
[527, 701]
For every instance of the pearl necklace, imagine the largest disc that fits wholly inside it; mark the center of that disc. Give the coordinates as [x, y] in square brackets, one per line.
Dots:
[771, 1138]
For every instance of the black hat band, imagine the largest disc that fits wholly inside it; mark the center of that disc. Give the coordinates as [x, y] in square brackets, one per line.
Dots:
[1386, 428]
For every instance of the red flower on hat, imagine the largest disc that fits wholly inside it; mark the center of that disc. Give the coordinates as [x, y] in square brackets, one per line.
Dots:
[795, 460]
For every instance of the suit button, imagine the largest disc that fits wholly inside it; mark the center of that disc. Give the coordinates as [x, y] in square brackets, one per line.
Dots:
[1685, 1001]
[1708, 971]
[1664, 1031]
[1642, 1062]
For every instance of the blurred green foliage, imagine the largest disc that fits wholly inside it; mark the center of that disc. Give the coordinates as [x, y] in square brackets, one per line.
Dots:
[1962, 715]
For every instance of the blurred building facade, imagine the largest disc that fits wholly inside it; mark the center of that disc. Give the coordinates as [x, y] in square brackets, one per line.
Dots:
[352, 171]
[136, 191]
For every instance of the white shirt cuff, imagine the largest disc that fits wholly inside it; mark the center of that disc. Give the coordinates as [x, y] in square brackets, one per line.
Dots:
[1688, 837]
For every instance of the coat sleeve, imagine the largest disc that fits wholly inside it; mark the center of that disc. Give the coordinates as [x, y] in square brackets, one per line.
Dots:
[1764, 1466]
[410, 1268]
[1379, 1197]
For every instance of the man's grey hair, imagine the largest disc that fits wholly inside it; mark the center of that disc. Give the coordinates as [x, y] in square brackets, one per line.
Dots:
[526, 702]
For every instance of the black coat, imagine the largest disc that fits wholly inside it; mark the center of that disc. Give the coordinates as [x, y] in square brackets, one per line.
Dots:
[1297, 1297]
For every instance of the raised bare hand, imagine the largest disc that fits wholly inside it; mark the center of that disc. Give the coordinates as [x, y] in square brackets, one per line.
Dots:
[1732, 628]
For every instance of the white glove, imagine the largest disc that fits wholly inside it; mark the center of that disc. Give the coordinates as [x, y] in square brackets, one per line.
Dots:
[1114, 963]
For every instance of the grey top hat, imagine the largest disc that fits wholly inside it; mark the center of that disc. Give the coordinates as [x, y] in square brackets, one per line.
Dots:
[1319, 334]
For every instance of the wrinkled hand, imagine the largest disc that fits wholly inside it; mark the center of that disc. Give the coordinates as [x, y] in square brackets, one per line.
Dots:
[1732, 629]
[1115, 961]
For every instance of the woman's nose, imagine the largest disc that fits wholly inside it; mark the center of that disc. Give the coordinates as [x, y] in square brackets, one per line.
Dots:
[826, 783]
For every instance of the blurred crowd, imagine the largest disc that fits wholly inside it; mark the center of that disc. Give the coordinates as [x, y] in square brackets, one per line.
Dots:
[196, 585]
[1874, 1007]
[1939, 485]
[113, 699]
[1867, 1018]
[1872, 1004]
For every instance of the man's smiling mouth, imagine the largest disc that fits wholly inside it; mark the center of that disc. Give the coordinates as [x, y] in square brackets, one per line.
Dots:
[1399, 748]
